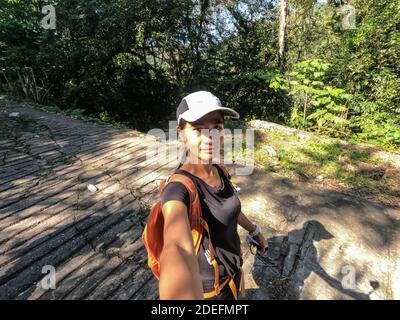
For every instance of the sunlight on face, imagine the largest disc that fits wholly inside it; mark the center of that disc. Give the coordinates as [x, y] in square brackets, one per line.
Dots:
[204, 138]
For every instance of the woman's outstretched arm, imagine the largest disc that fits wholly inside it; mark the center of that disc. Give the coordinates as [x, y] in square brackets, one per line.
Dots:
[179, 268]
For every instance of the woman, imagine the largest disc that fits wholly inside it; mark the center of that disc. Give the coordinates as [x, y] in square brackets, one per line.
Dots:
[184, 275]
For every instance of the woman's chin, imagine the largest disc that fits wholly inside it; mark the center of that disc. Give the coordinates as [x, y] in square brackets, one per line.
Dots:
[210, 158]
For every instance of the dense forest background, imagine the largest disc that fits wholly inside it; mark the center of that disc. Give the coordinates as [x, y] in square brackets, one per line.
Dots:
[325, 66]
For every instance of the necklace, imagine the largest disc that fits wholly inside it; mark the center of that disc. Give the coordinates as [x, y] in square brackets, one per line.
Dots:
[220, 178]
[222, 181]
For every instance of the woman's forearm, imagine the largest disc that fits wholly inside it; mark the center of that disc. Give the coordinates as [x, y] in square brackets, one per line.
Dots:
[245, 223]
[179, 275]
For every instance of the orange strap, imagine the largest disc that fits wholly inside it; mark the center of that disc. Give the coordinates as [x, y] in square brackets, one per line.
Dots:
[218, 287]
[232, 286]
[242, 284]
[214, 293]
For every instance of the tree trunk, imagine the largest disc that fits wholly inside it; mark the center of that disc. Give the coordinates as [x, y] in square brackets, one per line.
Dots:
[282, 34]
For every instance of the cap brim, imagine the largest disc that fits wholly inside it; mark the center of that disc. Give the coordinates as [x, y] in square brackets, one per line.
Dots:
[194, 115]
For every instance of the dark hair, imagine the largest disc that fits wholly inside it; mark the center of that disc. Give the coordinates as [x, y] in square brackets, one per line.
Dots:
[181, 125]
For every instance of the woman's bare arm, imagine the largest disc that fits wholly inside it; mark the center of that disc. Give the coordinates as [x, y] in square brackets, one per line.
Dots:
[179, 268]
[245, 223]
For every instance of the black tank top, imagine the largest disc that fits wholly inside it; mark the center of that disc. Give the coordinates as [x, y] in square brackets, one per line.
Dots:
[220, 209]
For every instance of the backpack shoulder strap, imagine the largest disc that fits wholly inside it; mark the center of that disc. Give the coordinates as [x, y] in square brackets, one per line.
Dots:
[227, 175]
[186, 181]
[224, 170]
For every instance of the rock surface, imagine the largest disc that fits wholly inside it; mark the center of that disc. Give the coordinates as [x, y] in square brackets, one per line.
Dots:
[322, 244]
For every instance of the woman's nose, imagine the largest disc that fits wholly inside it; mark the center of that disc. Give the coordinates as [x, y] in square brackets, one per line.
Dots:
[213, 133]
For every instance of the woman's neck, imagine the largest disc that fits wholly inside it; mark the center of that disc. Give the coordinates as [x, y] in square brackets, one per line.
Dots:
[200, 170]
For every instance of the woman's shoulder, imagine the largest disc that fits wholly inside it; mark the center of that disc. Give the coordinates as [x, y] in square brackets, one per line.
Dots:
[175, 191]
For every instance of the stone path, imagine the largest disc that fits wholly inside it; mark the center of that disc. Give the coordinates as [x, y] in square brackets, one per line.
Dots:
[49, 217]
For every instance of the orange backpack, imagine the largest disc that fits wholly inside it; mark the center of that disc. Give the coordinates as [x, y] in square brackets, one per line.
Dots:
[153, 233]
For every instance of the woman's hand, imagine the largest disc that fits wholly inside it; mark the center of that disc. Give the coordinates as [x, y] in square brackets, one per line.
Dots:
[263, 243]
[244, 222]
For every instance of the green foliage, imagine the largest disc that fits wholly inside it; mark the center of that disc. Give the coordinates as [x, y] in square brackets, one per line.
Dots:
[376, 128]
[363, 61]
[315, 104]
[248, 93]
[328, 161]
[132, 61]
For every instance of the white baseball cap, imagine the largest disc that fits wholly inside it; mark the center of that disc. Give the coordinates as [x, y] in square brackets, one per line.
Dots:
[198, 104]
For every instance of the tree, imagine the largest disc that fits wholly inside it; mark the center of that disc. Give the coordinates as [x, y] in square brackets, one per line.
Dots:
[282, 34]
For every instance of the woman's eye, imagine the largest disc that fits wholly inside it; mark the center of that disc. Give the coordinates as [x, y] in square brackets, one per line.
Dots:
[199, 130]
[218, 128]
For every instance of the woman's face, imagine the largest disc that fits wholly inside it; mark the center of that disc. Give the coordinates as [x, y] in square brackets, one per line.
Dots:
[204, 138]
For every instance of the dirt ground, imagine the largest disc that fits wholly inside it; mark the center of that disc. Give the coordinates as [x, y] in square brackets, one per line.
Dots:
[323, 244]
